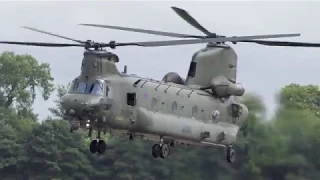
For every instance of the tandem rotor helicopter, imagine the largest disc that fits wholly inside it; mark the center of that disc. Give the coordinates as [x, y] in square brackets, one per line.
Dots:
[199, 110]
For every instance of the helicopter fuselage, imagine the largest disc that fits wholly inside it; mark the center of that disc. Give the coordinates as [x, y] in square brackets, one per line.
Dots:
[200, 109]
[151, 109]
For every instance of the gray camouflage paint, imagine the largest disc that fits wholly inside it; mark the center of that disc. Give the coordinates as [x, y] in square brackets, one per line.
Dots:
[153, 114]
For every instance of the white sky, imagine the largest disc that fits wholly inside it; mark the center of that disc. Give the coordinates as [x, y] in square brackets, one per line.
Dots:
[263, 70]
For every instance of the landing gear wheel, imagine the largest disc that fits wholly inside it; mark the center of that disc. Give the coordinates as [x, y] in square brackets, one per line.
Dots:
[131, 137]
[231, 155]
[102, 146]
[172, 144]
[94, 146]
[156, 150]
[165, 151]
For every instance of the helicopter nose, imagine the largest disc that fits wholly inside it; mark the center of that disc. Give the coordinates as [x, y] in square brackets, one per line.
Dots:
[74, 104]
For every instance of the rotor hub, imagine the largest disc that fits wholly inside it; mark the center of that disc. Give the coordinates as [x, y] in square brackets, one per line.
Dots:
[112, 44]
[88, 44]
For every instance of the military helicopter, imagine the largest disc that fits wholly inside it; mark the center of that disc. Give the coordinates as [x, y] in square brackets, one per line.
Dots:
[200, 110]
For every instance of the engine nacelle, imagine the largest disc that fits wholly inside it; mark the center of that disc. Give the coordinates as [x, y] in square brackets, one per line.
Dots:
[223, 88]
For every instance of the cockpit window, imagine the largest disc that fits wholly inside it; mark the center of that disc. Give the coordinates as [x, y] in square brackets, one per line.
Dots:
[86, 88]
[82, 87]
[96, 89]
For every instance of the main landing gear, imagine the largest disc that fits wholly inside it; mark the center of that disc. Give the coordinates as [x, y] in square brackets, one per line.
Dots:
[161, 149]
[97, 145]
[231, 154]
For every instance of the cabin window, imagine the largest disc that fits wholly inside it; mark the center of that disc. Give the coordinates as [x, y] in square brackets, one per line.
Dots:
[154, 103]
[194, 111]
[174, 106]
[192, 69]
[131, 99]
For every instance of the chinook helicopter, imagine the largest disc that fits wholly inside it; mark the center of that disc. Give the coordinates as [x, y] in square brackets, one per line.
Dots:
[200, 110]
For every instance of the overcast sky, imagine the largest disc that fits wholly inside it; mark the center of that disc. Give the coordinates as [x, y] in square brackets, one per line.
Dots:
[263, 70]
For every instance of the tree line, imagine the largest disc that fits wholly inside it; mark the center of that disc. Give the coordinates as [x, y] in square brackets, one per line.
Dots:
[285, 147]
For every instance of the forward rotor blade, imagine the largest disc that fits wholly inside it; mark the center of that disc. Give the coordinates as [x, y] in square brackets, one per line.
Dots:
[199, 41]
[56, 35]
[40, 44]
[187, 17]
[284, 43]
[161, 33]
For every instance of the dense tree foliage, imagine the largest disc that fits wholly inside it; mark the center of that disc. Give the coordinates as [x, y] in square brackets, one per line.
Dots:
[285, 147]
[20, 76]
[58, 111]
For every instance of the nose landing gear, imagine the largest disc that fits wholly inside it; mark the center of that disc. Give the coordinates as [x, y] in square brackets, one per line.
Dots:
[98, 145]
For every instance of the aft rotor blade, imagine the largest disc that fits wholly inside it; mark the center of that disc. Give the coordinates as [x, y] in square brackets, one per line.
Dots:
[187, 17]
[49, 33]
[146, 31]
[199, 41]
[41, 44]
[284, 43]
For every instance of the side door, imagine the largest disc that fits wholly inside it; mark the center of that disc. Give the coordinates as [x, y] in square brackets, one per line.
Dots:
[131, 110]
